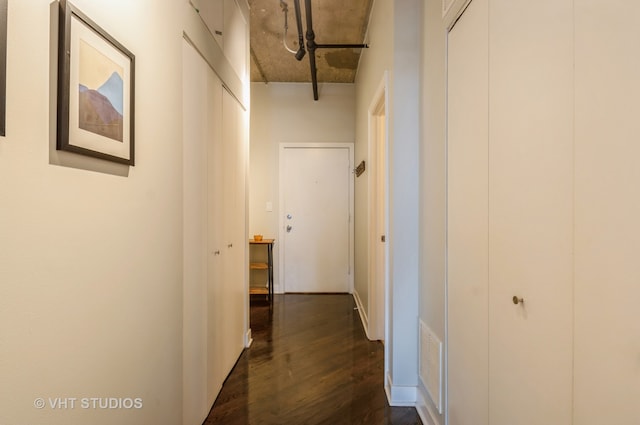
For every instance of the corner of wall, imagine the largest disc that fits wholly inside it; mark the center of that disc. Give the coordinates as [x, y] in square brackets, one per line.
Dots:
[401, 396]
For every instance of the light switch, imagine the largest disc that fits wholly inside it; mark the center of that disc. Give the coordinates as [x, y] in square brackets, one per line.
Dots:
[269, 206]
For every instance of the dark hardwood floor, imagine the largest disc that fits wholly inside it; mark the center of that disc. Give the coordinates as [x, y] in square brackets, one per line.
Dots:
[310, 363]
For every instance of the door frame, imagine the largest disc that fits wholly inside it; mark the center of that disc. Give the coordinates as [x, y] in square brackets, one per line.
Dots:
[378, 285]
[281, 222]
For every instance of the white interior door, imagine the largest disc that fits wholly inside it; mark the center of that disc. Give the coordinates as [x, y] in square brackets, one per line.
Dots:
[195, 139]
[374, 300]
[531, 211]
[467, 218]
[510, 223]
[233, 304]
[215, 295]
[316, 206]
[607, 207]
[379, 272]
[216, 373]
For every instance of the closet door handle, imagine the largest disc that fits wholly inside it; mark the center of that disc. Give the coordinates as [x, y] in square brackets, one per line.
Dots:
[230, 245]
[517, 300]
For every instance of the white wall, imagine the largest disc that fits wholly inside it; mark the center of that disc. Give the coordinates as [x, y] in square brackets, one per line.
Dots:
[287, 113]
[91, 255]
[394, 38]
[90, 261]
[433, 180]
[404, 167]
[374, 63]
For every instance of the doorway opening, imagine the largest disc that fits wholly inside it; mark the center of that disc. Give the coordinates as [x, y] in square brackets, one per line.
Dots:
[378, 213]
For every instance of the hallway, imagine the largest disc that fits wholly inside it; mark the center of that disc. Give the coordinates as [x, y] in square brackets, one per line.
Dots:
[310, 363]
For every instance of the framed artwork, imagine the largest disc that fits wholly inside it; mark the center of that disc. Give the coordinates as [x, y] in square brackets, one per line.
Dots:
[95, 90]
[3, 66]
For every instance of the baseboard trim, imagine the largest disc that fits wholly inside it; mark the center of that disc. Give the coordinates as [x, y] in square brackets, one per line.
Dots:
[400, 396]
[362, 313]
[425, 411]
[248, 340]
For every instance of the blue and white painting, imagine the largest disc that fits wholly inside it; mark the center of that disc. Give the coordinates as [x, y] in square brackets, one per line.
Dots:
[101, 94]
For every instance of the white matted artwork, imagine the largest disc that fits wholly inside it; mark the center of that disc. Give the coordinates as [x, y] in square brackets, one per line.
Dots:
[95, 90]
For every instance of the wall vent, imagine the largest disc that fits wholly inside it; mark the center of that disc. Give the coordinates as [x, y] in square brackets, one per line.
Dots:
[446, 5]
[431, 364]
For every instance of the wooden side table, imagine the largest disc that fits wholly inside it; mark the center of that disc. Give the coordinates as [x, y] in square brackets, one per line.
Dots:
[268, 266]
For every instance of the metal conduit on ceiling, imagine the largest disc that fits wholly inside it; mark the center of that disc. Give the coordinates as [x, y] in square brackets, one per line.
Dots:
[311, 43]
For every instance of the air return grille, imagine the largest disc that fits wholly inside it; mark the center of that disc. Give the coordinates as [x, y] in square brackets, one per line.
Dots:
[431, 364]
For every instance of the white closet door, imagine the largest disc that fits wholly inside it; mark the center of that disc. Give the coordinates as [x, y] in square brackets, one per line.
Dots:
[607, 328]
[531, 211]
[467, 218]
[216, 371]
[194, 238]
[233, 305]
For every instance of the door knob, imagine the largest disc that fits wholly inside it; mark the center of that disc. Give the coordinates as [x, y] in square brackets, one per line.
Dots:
[517, 300]
[289, 229]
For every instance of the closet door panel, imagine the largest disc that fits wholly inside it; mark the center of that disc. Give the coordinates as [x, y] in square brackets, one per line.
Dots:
[216, 373]
[234, 307]
[607, 205]
[467, 220]
[530, 211]
[194, 222]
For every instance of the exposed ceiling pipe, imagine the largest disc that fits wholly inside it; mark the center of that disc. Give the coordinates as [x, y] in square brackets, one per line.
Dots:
[312, 45]
[285, 9]
[300, 53]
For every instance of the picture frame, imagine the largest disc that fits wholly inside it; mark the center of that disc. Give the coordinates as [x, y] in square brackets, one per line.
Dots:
[96, 81]
[3, 67]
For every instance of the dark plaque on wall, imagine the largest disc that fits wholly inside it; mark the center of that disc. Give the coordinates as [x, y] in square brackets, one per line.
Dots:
[3, 66]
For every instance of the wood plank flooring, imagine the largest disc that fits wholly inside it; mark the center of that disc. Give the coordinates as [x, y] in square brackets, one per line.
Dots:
[310, 363]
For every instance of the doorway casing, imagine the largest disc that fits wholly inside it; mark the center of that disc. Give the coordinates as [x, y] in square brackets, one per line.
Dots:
[378, 211]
